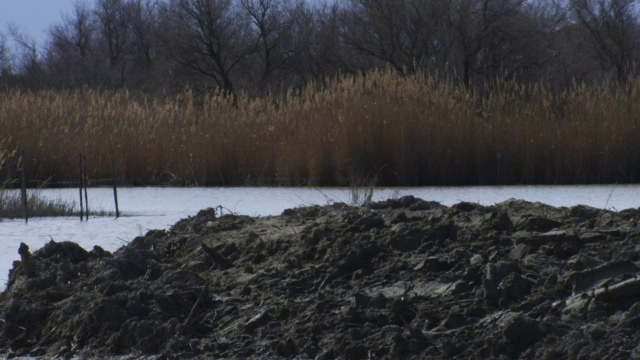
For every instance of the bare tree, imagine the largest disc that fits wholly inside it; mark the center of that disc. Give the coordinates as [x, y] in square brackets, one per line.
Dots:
[75, 35]
[143, 21]
[27, 59]
[253, 45]
[272, 22]
[319, 50]
[113, 21]
[474, 26]
[614, 29]
[538, 43]
[126, 32]
[207, 36]
[401, 33]
[110, 45]
[71, 54]
[26, 46]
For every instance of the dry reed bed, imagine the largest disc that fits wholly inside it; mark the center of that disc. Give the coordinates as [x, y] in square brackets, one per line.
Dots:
[404, 130]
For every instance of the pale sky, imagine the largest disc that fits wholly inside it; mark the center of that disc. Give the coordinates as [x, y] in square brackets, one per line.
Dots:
[33, 17]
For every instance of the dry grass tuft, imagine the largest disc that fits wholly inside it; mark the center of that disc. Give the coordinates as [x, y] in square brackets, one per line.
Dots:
[11, 206]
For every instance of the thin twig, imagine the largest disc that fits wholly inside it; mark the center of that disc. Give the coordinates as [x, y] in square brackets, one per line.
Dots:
[193, 309]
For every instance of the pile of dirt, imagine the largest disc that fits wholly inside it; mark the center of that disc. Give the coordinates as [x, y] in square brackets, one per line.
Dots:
[396, 279]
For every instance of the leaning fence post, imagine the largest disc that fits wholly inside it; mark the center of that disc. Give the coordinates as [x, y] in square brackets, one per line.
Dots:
[86, 184]
[115, 188]
[80, 188]
[23, 187]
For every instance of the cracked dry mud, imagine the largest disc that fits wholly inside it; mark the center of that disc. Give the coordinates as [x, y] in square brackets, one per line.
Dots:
[398, 279]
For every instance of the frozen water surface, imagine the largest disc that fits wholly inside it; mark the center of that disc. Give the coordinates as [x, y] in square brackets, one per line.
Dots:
[159, 208]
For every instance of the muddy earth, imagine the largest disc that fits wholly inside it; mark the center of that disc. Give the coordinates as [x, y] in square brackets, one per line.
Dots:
[399, 279]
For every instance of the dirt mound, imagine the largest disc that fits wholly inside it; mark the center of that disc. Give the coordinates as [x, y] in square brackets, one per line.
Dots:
[397, 279]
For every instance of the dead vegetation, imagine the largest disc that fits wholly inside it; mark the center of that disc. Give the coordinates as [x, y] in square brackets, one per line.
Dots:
[418, 130]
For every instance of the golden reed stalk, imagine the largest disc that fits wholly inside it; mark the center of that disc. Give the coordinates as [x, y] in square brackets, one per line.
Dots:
[413, 130]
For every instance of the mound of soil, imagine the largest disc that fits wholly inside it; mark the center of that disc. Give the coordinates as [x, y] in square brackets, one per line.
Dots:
[397, 279]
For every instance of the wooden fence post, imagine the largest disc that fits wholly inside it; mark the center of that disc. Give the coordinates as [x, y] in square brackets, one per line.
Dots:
[23, 187]
[80, 188]
[86, 184]
[115, 188]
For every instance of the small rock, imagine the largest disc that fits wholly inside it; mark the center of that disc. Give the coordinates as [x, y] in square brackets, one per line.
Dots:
[582, 261]
[400, 218]
[514, 286]
[454, 320]
[467, 206]
[518, 252]
[498, 221]
[379, 301]
[406, 242]
[361, 300]
[288, 212]
[286, 348]
[538, 224]
[592, 237]
[476, 259]
[63, 250]
[500, 269]
[635, 353]
[356, 352]
[368, 222]
[583, 211]
[521, 329]
[256, 322]
[490, 289]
